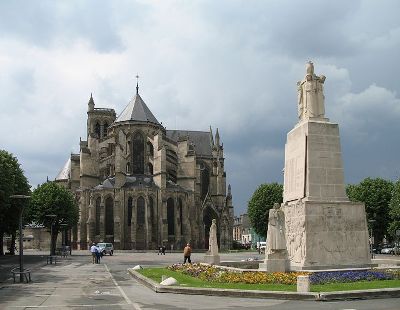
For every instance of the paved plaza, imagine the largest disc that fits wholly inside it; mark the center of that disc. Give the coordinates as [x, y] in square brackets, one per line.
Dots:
[76, 283]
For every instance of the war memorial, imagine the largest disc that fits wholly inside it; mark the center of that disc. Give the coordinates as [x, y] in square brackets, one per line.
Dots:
[316, 226]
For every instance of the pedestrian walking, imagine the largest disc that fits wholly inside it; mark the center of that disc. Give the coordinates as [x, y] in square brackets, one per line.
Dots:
[93, 251]
[98, 254]
[187, 251]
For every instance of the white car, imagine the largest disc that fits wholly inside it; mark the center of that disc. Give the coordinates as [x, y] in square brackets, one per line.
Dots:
[261, 246]
[388, 249]
[106, 248]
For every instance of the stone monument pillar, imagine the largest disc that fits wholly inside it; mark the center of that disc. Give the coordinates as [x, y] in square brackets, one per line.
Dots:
[323, 228]
[212, 256]
[275, 252]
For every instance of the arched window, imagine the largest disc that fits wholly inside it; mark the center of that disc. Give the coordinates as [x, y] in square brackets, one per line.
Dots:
[140, 211]
[130, 210]
[138, 154]
[128, 168]
[150, 167]
[204, 179]
[150, 149]
[97, 129]
[105, 127]
[170, 216]
[153, 221]
[181, 215]
[97, 223]
[109, 216]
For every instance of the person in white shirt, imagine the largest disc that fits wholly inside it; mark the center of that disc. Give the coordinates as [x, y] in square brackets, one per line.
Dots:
[93, 251]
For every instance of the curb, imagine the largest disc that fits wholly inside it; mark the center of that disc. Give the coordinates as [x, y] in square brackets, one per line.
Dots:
[341, 295]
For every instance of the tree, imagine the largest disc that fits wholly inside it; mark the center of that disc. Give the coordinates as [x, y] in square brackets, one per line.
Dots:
[394, 210]
[262, 200]
[53, 206]
[12, 182]
[376, 194]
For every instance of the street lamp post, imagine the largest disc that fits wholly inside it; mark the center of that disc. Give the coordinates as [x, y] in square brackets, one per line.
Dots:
[21, 244]
[52, 216]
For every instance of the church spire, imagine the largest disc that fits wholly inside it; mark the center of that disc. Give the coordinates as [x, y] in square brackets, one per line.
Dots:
[217, 138]
[91, 103]
[211, 138]
[137, 84]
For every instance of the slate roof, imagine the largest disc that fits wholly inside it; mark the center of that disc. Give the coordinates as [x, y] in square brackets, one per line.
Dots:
[137, 110]
[139, 181]
[65, 172]
[107, 183]
[200, 139]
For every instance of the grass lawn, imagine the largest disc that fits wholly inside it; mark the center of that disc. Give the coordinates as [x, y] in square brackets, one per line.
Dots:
[185, 280]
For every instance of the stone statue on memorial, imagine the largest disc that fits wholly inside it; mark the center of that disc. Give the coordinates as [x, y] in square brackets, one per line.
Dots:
[212, 256]
[275, 252]
[212, 241]
[310, 95]
[276, 230]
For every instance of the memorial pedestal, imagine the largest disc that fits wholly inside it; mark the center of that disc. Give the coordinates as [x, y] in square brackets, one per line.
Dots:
[275, 262]
[212, 259]
[323, 229]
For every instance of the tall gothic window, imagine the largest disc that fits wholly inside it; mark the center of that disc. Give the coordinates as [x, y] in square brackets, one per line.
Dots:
[152, 220]
[181, 214]
[97, 129]
[150, 149]
[204, 179]
[105, 129]
[150, 167]
[138, 154]
[97, 224]
[170, 216]
[129, 211]
[109, 216]
[140, 211]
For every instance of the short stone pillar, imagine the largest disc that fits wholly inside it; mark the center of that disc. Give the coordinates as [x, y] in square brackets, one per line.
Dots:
[303, 284]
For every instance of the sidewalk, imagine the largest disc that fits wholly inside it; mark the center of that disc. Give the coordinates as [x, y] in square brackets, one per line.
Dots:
[66, 285]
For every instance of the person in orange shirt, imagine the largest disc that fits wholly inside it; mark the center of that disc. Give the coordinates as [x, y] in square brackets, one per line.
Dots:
[187, 251]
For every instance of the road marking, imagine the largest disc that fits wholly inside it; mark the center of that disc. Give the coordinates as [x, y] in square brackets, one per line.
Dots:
[68, 306]
[129, 302]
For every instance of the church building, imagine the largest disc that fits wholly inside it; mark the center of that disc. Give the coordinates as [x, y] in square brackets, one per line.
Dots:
[141, 186]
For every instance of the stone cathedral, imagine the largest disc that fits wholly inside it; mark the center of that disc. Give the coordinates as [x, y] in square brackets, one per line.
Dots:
[140, 186]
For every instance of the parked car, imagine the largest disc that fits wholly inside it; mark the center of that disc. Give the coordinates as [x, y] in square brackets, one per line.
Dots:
[106, 248]
[261, 247]
[387, 249]
[377, 249]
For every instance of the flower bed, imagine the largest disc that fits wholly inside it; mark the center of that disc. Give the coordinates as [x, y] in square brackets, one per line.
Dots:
[219, 275]
[348, 276]
[214, 274]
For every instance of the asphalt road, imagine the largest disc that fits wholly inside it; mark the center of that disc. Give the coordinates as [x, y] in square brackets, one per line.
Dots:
[76, 283]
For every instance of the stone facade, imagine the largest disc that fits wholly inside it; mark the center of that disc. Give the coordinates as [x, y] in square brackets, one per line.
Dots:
[140, 186]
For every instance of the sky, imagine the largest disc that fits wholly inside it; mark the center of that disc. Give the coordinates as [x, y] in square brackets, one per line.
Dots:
[231, 65]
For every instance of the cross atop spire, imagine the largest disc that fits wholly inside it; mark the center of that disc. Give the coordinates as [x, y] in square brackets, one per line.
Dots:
[137, 83]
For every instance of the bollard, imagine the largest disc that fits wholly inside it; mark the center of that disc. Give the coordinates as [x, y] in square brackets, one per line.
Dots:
[303, 284]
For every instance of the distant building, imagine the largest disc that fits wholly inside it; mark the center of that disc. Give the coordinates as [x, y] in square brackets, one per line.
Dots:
[140, 185]
[243, 232]
[241, 229]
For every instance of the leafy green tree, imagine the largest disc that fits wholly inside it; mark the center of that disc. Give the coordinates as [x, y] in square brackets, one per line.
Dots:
[376, 194]
[262, 200]
[53, 206]
[12, 182]
[394, 210]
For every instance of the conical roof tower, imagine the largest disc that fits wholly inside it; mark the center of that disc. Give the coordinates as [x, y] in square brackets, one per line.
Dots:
[137, 110]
